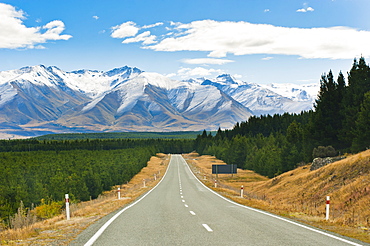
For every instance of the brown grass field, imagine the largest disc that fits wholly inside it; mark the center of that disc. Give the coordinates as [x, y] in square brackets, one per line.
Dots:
[301, 194]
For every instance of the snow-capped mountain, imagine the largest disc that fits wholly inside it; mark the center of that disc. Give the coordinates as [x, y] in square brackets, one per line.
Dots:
[266, 99]
[37, 100]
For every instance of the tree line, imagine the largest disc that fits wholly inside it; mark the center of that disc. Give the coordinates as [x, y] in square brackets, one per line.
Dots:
[35, 171]
[270, 145]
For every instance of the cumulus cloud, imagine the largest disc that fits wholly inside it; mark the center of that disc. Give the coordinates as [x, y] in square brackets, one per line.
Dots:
[207, 61]
[305, 9]
[95, 17]
[308, 9]
[244, 38]
[127, 29]
[14, 34]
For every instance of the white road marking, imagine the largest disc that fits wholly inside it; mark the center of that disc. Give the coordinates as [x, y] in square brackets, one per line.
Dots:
[186, 205]
[207, 227]
[183, 200]
[182, 196]
[192, 212]
[105, 226]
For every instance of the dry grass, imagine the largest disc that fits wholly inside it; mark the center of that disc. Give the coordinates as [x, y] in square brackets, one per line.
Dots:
[59, 231]
[301, 193]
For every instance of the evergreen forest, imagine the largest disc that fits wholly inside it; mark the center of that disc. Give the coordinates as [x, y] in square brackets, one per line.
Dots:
[34, 172]
[271, 145]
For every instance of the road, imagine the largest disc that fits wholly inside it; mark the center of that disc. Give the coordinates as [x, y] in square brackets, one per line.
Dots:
[182, 211]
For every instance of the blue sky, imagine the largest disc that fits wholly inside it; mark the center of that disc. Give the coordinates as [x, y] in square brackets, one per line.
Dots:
[260, 41]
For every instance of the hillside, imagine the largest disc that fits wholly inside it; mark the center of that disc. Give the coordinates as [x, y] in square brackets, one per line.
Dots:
[301, 193]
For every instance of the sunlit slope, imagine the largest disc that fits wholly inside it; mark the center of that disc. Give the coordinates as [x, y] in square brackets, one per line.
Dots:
[347, 182]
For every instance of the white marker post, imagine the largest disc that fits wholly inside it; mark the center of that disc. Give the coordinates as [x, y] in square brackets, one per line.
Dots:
[205, 177]
[242, 191]
[155, 176]
[144, 182]
[119, 193]
[215, 183]
[67, 206]
[327, 207]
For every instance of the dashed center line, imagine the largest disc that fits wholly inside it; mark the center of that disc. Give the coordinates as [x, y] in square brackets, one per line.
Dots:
[207, 227]
[186, 205]
[182, 196]
[192, 212]
[183, 200]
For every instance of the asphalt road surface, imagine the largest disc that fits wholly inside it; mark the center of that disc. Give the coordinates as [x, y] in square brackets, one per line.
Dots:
[182, 211]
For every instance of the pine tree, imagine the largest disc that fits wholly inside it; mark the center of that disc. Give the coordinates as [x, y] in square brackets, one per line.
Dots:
[358, 85]
[361, 139]
[324, 127]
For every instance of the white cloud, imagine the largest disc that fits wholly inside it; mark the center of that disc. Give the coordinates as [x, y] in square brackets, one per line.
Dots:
[14, 34]
[198, 72]
[127, 29]
[153, 25]
[305, 9]
[310, 9]
[267, 58]
[266, 10]
[206, 61]
[243, 38]
[95, 17]
[144, 37]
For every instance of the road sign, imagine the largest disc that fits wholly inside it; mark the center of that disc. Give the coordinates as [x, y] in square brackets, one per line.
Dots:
[224, 169]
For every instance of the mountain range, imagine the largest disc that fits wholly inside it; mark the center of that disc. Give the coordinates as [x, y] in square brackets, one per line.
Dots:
[38, 100]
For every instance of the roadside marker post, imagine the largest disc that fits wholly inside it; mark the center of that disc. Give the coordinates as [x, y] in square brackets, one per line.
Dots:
[327, 207]
[155, 176]
[144, 183]
[119, 193]
[215, 183]
[242, 191]
[67, 207]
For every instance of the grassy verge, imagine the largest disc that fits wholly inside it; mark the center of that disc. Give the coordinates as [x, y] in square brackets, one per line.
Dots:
[300, 194]
[59, 231]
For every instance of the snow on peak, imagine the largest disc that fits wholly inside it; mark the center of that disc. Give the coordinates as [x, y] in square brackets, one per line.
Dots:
[123, 71]
[295, 92]
[227, 79]
[38, 75]
[159, 80]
